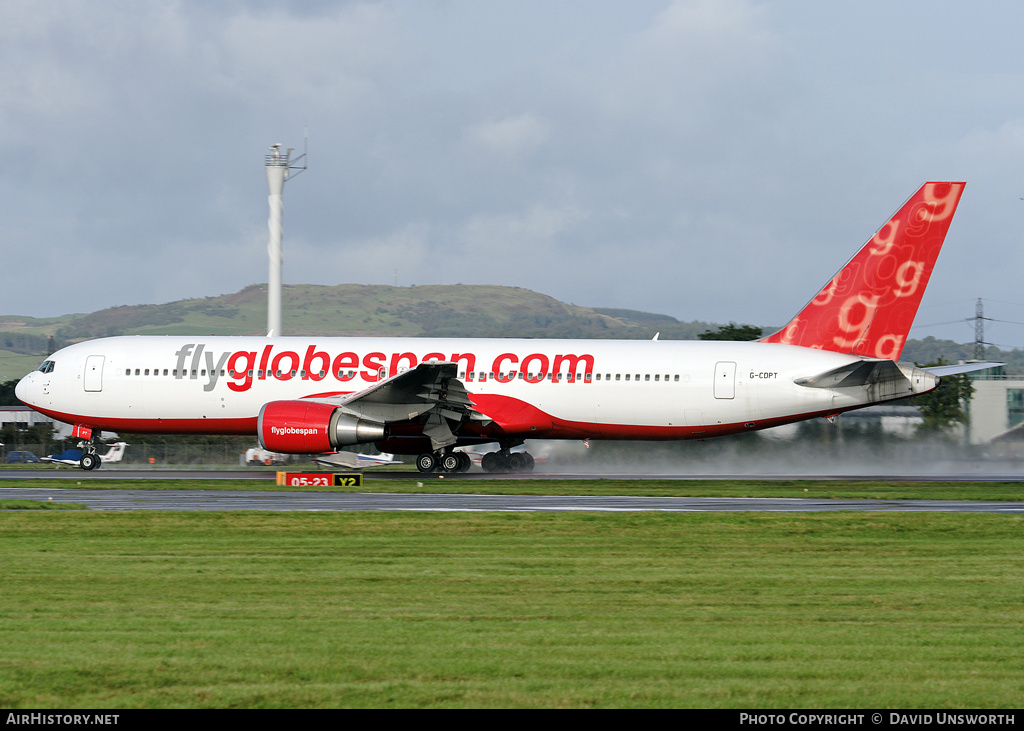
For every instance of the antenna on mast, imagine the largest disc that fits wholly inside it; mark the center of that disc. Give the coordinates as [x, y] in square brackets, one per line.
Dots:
[279, 167]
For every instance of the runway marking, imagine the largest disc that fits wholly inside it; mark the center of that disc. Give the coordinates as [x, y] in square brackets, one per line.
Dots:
[601, 509]
[450, 510]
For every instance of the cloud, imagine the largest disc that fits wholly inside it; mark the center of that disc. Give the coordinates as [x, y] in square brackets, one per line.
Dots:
[627, 155]
[511, 137]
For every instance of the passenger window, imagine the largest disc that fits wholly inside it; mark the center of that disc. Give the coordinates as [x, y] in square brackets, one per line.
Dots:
[617, 376]
[627, 376]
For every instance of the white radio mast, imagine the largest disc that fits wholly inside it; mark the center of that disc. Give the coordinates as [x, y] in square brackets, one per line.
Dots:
[279, 166]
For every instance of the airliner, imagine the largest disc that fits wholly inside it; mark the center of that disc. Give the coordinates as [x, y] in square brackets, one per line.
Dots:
[427, 396]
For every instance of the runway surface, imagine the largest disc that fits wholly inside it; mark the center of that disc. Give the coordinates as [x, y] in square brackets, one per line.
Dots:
[315, 501]
[937, 475]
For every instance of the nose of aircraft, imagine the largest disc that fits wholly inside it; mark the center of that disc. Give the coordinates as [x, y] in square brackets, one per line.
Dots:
[27, 389]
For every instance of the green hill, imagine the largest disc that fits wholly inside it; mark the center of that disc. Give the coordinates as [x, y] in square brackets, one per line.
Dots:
[345, 309]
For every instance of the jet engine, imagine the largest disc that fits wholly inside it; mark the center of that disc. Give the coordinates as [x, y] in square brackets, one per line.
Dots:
[311, 427]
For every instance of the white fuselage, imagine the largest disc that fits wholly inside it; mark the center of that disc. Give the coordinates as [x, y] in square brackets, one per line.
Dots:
[609, 389]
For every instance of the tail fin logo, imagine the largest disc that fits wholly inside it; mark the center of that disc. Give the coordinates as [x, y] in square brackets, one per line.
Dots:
[868, 307]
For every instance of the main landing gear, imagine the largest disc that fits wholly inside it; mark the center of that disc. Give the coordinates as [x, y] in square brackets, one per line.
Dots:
[506, 461]
[453, 462]
[503, 460]
[444, 462]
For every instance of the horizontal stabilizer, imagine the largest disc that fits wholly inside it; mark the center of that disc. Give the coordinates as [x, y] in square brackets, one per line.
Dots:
[860, 373]
[952, 370]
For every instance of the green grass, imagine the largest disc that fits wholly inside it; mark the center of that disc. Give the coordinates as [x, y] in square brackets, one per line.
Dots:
[38, 505]
[149, 609]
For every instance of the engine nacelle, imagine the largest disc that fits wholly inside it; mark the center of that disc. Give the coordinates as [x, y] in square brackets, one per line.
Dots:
[311, 427]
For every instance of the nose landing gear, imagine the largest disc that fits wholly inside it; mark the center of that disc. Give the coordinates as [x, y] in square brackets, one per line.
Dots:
[90, 460]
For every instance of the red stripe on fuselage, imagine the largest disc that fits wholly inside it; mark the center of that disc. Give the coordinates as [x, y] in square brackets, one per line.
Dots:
[512, 418]
[245, 425]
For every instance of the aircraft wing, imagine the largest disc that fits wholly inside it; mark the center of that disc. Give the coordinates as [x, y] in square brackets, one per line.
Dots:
[430, 388]
[68, 457]
[376, 460]
[337, 459]
[352, 461]
[61, 462]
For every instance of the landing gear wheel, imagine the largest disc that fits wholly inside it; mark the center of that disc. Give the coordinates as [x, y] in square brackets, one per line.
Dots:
[465, 462]
[516, 462]
[89, 461]
[451, 462]
[491, 462]
[426, 462]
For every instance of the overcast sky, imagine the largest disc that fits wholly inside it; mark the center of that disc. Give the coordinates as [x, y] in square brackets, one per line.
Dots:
[714, 160]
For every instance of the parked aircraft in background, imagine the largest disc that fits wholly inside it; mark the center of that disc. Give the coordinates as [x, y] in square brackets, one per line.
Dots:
[427, 396]
[87, 460]
[353, 461]
[257, 456]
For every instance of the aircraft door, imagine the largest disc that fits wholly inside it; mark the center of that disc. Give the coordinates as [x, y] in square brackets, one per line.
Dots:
[725, 379]
[93, 378]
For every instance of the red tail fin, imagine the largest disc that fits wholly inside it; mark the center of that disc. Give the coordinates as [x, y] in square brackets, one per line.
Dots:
[868, 307]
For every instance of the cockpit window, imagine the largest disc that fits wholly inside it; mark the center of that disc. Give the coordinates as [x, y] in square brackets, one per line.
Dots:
[46, 367]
